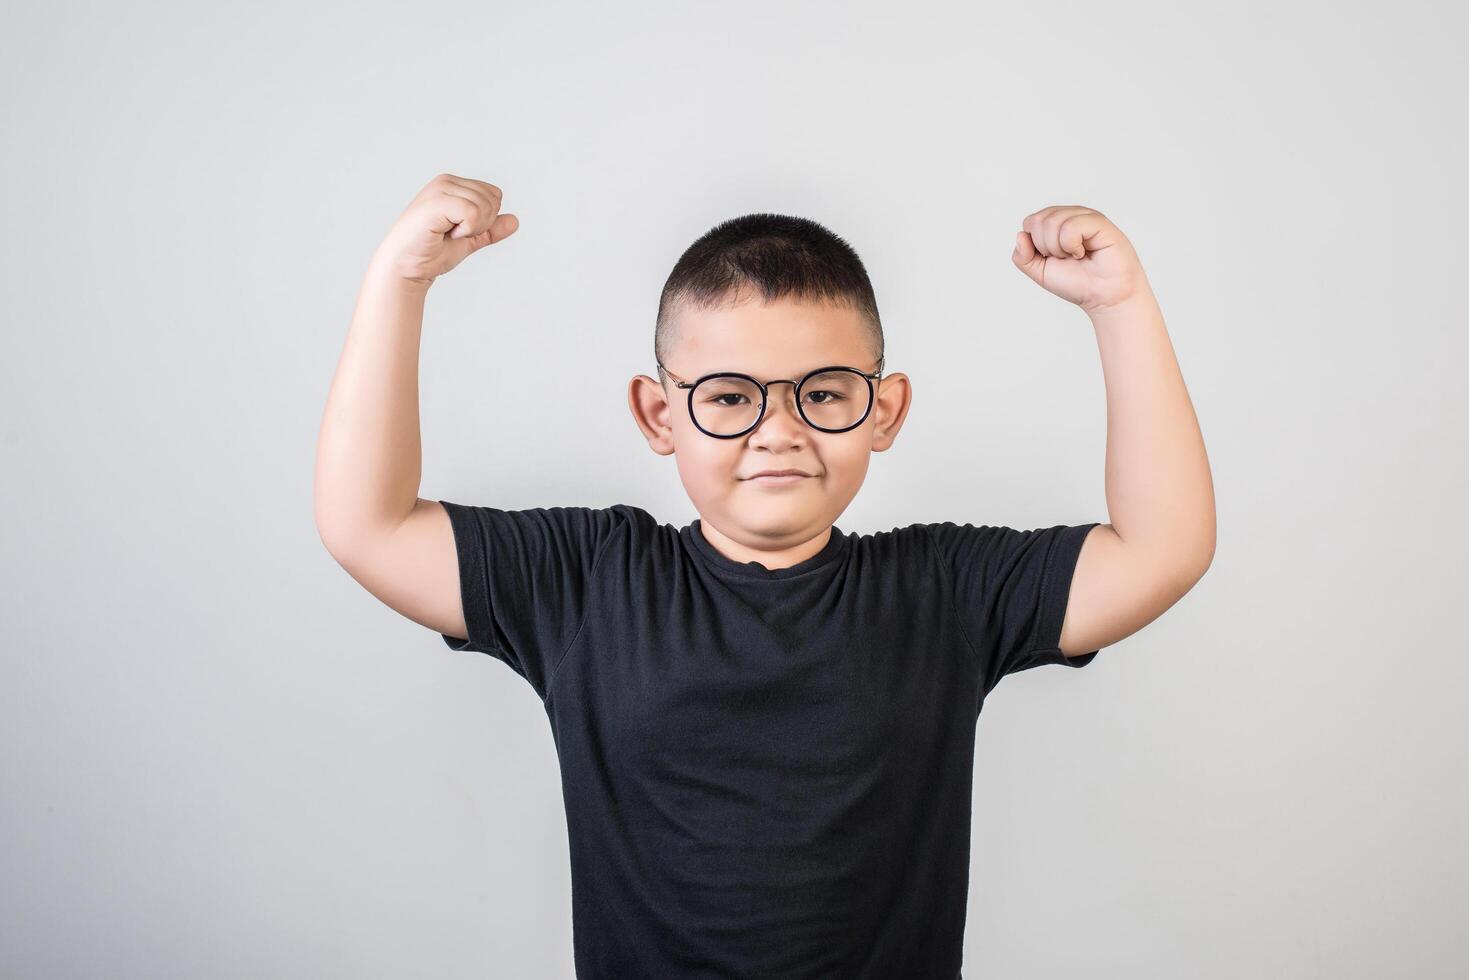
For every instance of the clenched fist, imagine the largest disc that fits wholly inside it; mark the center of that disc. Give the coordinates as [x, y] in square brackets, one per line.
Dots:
[1079, 255]
[451, 218]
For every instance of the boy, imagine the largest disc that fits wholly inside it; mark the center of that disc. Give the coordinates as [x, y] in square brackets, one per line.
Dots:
[765, 725]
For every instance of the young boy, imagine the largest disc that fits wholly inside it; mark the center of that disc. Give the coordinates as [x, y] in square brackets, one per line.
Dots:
[765, 724]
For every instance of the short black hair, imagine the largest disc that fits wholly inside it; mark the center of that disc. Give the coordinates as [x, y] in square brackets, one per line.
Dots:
[780, 256]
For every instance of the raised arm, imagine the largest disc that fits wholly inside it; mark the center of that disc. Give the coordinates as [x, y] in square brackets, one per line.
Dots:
[1160, 493]
[369, 456]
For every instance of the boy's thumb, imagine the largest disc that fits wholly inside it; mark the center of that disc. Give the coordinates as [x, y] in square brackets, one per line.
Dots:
[1027, 258]
[500, 229]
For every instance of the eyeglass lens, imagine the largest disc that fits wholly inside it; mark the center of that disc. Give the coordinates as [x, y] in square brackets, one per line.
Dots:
[832, 400]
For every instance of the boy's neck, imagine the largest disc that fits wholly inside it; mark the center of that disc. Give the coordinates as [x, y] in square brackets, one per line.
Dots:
[773, 558]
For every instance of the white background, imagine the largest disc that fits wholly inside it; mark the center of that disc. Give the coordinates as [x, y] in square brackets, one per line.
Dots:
[223, 758]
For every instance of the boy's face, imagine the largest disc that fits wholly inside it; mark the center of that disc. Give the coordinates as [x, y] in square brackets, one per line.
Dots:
[782, 340]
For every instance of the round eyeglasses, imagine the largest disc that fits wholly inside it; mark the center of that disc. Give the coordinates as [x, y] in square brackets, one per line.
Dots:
[728, 404]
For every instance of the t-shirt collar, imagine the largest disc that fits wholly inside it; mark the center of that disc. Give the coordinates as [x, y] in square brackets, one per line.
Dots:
[693, 536]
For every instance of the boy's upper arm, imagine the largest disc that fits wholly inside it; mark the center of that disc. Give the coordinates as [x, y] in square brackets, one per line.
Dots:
[1054, 595]
[413, 568]
[515, 584]
[1116, 591]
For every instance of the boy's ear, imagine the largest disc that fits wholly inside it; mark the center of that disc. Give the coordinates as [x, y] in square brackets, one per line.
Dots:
[890, 408]
[650, 410]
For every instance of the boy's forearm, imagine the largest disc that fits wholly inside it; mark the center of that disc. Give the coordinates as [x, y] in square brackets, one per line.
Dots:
[369, 455]
[1160, 494]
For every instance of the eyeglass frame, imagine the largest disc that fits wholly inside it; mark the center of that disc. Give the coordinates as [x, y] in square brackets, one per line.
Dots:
[764, 387]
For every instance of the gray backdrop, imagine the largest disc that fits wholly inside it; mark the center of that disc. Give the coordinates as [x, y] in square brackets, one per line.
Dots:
[224, 758]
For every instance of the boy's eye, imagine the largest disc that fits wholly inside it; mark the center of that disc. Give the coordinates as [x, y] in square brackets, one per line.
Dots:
[820, 397]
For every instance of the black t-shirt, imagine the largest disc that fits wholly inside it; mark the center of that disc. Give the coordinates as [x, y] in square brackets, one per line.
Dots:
[766, 773]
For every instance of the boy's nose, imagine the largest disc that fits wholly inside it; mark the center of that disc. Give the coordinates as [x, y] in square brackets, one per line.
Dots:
[780, 410]
[782, 398]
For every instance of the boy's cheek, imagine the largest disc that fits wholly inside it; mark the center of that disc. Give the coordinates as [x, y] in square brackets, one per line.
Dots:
[704, 475]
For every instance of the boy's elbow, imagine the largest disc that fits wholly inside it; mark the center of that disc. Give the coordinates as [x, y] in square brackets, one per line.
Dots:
[1201, 555]
[340, 538]
[1182, 570]
[1194, 570]
[335, 542]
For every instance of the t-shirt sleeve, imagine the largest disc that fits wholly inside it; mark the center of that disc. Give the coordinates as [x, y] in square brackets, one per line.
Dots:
[524, 580]
[1010, 590]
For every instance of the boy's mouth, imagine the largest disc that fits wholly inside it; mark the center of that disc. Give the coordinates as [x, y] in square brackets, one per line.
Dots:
[785, 472]
[778, 478]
